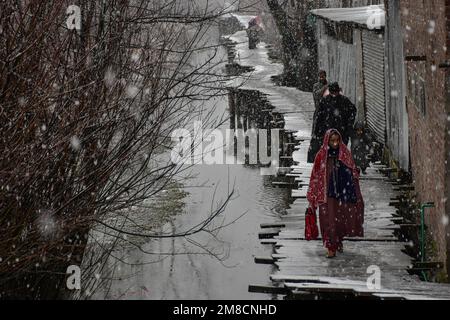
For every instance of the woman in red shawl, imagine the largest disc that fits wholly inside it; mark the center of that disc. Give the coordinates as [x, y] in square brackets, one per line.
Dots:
[334, 189]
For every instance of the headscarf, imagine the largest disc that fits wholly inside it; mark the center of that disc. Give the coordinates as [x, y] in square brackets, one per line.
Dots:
[318, 184]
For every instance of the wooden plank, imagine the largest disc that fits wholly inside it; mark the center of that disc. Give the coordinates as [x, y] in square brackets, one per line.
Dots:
[284, 184]
[264, 260]
[321, 288]
[267, 289]
[276, 239]
[387, 170]
[313, 279]
[357, 291]
[292, 174]
[268, 234]
[366, 178]
[269, 241]
[299, 193]
[273, 225]
[359, 287]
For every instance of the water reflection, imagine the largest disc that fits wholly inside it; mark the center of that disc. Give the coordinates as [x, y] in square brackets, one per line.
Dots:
[216, 265]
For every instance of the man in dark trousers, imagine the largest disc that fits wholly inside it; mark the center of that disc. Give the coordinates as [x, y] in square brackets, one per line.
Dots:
[335, 111]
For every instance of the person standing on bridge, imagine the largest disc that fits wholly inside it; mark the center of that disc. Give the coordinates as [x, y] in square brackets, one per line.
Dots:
[335, 111]
[334, 190]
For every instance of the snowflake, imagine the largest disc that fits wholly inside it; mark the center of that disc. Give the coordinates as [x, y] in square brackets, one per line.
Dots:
[22, 101]
[46, 223]
[110, 78]
[75, 143]
[135, 56]
[431, 27]
[444, 220]
[132, 91]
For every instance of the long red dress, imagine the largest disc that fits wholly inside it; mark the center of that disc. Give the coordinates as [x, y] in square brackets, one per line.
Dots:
[337, 219]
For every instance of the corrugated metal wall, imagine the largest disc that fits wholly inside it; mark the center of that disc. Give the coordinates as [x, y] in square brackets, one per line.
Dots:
[397, 134]
[374, 84]
[338, 59]
[360, 105]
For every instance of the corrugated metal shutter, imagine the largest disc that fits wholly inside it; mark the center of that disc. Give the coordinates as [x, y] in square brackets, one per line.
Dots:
[374, 85]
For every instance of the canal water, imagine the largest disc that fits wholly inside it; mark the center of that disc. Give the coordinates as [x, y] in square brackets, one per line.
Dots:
[215, 265]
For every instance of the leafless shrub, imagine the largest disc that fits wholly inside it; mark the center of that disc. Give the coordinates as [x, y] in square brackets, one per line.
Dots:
[85, 118]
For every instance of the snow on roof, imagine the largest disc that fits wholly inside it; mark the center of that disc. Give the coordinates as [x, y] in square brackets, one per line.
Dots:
[371, 17]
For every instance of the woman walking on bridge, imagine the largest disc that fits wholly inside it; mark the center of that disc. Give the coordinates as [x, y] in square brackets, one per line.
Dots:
[334, 189]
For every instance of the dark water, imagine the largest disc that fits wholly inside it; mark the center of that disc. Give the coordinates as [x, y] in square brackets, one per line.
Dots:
[206, 266]
[219, 265]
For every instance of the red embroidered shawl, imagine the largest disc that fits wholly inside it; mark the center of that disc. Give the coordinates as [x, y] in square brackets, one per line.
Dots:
[318, 183]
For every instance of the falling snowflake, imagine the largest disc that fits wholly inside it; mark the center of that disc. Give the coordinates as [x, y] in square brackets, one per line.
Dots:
[110, 78]
[75, 143]
[46, 223]
[22, 101]
[132, 91]
[135, 56]
[431, 27]
[444, 220]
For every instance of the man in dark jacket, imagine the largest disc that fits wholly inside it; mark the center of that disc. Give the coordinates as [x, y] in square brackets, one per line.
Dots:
[335, 111]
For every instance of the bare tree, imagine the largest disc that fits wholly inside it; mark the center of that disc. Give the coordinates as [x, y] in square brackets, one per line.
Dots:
[86, 118]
